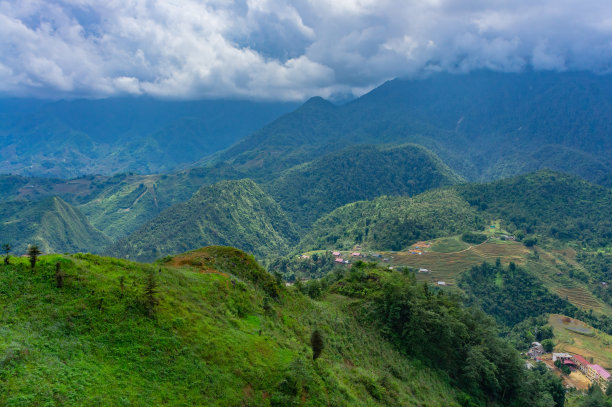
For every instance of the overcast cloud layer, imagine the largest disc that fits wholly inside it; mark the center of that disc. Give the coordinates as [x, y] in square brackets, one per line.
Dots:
[280, 49]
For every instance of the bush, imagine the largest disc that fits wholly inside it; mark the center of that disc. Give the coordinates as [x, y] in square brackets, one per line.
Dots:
[530, 241]
[548, 345]
[474, 238]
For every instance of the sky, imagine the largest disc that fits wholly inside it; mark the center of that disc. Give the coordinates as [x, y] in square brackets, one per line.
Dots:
[284, 50]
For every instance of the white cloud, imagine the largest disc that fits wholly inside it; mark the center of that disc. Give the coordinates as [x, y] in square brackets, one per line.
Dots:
[283, 49]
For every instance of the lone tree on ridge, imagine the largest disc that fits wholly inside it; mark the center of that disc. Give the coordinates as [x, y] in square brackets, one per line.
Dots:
[33, 253]
[6, 248]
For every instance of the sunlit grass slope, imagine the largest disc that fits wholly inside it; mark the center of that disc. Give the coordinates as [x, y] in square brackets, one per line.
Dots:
[223, 333]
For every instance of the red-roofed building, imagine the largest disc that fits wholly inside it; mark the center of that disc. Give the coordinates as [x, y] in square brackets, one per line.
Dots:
[581, 363]
[339, 260]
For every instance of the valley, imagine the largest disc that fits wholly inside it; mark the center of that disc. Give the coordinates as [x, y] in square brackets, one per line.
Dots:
[458, 207]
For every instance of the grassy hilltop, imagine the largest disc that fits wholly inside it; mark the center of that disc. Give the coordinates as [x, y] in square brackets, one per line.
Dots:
[217, 329]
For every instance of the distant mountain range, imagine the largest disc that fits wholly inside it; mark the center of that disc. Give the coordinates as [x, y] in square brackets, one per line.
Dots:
[73, 138]
[400, 140]
[483, 125]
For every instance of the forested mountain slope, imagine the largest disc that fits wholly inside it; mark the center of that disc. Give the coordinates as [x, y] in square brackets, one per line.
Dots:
[228, 213]
[50, 223]
[543, 203]
[119, 204]
[357, 173]
[479, 124]
[393, 223]
[547, 203]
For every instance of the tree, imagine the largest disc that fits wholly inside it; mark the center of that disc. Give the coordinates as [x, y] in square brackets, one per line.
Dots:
[7, 249]
[33, 253]
[59, 275]
[150, 294]
[548, 345]
[316, 342]
[121, 286]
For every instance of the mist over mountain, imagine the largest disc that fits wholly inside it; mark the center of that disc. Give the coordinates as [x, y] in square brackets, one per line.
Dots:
[483, 124]
[107, 136]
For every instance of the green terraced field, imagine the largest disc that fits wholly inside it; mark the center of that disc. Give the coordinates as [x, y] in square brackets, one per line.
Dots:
[447, 266]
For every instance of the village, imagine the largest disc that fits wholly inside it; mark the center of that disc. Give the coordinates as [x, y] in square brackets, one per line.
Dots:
[347, 258]
[575, 371]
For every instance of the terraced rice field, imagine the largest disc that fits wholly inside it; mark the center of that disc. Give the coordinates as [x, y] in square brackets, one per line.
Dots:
[598, 345]
[579, 296]
[547, 268]
[447, 266]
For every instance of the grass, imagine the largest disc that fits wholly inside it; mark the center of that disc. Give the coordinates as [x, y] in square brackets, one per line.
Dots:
[576, 337]
[449, 245]
[216, 339]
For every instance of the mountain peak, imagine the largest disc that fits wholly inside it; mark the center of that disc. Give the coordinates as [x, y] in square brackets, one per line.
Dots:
[317, 102]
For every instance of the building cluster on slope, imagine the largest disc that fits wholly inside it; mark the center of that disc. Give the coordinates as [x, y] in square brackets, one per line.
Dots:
[595, 373]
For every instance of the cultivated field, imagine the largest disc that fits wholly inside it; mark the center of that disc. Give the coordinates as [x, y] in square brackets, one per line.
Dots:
[447, 266]
[576, 337]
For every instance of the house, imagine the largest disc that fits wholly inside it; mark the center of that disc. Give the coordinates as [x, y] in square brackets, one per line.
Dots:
[356, 254]
[536, 350]
[336, 254]
[599, 375]
[441, 282]
[562, 356]
[581, 363]
[422, 244]
[422, 270]
[339, 260]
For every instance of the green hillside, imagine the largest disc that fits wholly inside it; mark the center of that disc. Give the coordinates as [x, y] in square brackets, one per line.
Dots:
[545, 204]
[214, 328]
[549, 204]
[121, 208]
[51, 223]
[119, 204]
[229, 212]
[393, 223]
[357, 173]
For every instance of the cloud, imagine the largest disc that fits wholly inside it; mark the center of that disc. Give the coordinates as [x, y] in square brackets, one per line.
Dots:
[280, 49]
